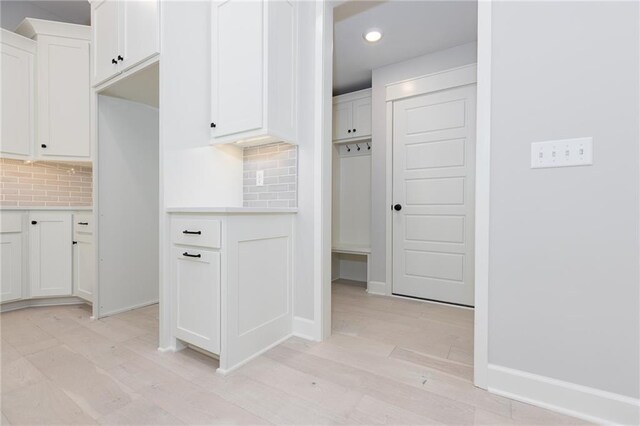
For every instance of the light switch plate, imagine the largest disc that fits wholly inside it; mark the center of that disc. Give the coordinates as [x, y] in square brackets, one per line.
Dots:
[562, 153]
[260, 178]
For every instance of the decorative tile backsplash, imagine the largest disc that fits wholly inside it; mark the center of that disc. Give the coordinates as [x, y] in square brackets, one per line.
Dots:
[44, 184]
[279, 161]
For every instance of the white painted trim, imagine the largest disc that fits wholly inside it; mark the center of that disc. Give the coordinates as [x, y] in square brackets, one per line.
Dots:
[304, 328]
[567, 398]
[453, 77]
[128, 308]
[377, 287]
[224, 372]
[388, 146]
[127, 73]
[40, 302]
[483, 178]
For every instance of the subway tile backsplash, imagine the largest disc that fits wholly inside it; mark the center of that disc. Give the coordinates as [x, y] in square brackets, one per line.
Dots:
[279, 161]
[44, 184]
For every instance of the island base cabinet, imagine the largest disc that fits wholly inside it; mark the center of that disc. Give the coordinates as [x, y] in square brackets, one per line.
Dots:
[196, 285]
[50, 254]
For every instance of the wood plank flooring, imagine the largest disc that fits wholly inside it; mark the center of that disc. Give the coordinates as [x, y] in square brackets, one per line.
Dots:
[390, 361]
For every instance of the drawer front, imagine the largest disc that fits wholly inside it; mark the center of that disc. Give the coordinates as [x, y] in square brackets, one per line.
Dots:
[196, 232]
[82, 223]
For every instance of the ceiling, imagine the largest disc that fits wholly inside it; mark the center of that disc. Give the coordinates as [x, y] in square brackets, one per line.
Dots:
[409, 28]
[74, 11]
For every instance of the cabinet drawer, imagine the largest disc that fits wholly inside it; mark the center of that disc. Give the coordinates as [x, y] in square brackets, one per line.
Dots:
[82, 223]
[196, 232]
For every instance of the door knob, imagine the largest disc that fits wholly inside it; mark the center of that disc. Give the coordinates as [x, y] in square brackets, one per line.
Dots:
[397, 207]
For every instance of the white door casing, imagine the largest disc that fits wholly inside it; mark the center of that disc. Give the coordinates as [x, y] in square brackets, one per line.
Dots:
[433, 181]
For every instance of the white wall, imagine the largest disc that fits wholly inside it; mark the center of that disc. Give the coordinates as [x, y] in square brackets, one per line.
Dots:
[564, 270]
[12, 14]
[446, 59]
[194, 173]
[127, 196]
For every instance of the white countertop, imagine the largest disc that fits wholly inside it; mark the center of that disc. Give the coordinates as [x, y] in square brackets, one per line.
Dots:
[234, 210]
[31, 208]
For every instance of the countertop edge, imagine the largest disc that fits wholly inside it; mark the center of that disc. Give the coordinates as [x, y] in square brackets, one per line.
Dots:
[233, 210]
[37, 208]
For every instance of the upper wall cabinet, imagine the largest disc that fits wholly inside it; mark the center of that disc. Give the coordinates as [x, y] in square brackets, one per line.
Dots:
[17, 62]
[125, 34]
[63, 101]
[254, 72]
[352, 116]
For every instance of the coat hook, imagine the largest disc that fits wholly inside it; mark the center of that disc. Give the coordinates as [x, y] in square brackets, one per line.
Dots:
[368, 146]
[348, 149]
[358, 147]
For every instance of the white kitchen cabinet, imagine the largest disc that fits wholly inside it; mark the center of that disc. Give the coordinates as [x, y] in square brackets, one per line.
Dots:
[63, 100]
[253, 69]
[352, 116]
[83, 256]
[196, 284]
[50, 254]
[125, 34]
[17, 62]
[11, 257]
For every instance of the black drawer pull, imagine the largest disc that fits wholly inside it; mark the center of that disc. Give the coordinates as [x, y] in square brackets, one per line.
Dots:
[192, 232]
[187, 254]
[83, 223]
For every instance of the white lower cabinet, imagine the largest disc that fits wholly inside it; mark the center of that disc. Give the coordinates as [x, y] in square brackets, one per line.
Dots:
[83, 256]
[50, 254]
[11, 257]
[196, 284]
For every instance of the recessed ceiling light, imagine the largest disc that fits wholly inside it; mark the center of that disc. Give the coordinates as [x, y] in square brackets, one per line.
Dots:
[372, 35]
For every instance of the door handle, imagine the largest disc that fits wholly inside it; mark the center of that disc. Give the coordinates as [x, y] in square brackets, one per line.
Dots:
[192, 232]
[397, 207]
[187, 254]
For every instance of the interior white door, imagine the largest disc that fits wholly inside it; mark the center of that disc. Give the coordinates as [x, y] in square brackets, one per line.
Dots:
[50, 254]
[104, 24]
[17, 101]
[237, 66]
[433, 185]
[140, 30]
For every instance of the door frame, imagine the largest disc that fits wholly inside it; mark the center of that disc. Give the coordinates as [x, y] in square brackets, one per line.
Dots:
[322, 184]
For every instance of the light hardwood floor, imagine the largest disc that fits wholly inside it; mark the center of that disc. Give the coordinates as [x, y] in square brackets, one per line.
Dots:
[390, 361]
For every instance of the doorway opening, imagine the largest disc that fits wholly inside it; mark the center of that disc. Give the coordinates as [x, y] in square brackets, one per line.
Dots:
[403, 178]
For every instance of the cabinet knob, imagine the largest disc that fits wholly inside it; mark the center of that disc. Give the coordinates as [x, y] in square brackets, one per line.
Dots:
[113, 61]
[34, 222]
[213, 125]
[120, 58]
[349, 131]
[74, 242]
[354, 130]
[44, 145]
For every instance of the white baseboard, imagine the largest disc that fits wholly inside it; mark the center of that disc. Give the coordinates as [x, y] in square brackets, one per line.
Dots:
[567, 398]
[128, 308]
[304, 328]
[377, 287]
[45, 301]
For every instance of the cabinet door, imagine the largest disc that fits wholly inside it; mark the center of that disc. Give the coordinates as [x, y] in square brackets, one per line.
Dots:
[361, 118]
[196, 284]
[342, 120]
[104, 24]
[17, 107]
[237, 66]
[10, 266]
[140, 31]
[50, 257]
[64, 105]
[83, 268]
